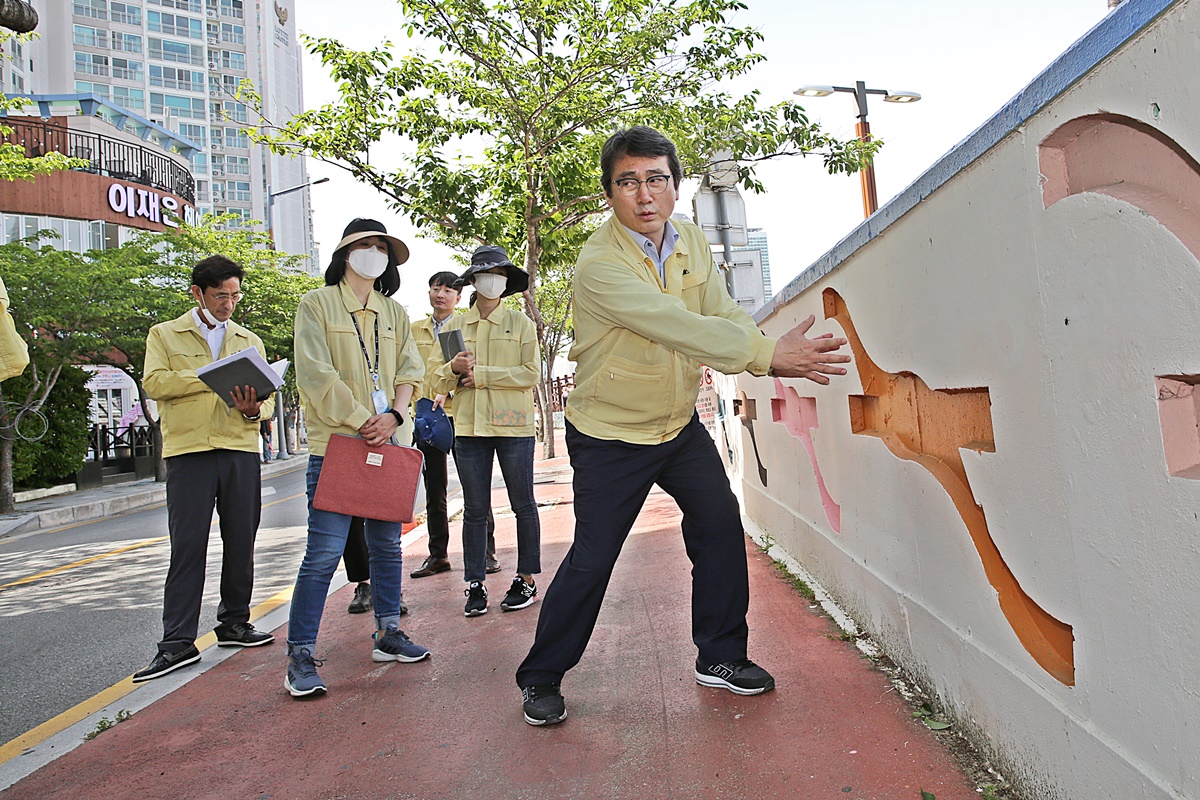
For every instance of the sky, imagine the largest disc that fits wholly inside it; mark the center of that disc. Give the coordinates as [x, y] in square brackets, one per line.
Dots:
[966, 59]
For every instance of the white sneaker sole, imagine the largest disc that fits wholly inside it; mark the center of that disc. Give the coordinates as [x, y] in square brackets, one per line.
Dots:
[235, 643]
[474, 613]
[526, 604]
[714, 682]
[294, 692]
[554, 721]
[379, 655]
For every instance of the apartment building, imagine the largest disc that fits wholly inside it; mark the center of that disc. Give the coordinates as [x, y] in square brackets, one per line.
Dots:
[179, 64]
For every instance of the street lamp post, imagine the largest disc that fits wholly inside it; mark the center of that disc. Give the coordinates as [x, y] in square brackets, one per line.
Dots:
[280, 415]
[271, 203]
[863, 128]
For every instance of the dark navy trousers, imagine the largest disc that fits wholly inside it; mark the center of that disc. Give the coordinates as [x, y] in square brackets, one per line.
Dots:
[611, 482]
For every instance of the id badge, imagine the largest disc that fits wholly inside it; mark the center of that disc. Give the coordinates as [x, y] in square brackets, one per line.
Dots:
[380, 400]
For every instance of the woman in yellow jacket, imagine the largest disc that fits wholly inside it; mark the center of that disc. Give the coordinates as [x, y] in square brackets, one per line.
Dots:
[493, 382]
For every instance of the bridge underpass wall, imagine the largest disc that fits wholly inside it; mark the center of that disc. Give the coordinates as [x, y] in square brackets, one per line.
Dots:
[1005, 490]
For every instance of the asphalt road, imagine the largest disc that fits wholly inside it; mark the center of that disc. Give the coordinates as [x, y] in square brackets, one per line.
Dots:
[67, 636]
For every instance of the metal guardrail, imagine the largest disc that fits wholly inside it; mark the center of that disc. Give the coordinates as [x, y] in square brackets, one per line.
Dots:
[107, 156]
[109, 446]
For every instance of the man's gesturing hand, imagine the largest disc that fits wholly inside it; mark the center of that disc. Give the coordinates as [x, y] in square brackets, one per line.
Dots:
[797, 356]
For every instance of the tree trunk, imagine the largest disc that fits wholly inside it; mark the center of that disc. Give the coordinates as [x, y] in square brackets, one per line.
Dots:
[7, 433]
[17, 16]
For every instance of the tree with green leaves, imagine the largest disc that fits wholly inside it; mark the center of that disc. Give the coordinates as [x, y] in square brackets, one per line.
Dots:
[15, 162]
[494, 134]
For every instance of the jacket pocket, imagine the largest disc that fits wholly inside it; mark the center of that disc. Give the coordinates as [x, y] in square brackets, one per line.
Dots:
[628, 393]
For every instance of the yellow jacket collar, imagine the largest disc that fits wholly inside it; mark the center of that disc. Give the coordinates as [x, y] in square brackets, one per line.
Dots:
[351, 301]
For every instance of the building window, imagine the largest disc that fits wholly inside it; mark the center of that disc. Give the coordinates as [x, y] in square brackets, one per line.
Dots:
[91, 64]
[92, 88]
[200, 163]
[18, 83]
[179, 52]
[236, 137]
[96, 9]
[126, 68]
[232, 8]
[174, 24]
[173, 78]
[129, 98]
[237, 165]
[183, 5]
[229, 111]
[128, 42]
[186, 107]
[91, 37]
[128, 13]
[236, 34]
[233, 60]
[197, 133]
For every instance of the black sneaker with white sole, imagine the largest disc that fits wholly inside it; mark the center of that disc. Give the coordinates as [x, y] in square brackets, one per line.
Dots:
[164, 663]
[543, 704]
[241, 634]
[740, 677]
[476, 600]
[520, 595]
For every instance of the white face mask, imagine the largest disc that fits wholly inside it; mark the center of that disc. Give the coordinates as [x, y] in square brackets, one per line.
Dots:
[207, 315]
[369, 262]
[490, 285]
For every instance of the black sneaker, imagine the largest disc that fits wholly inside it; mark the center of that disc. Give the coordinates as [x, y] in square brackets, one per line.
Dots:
[476, 600]
[361, 603]
[520, 594]
[740, 677]
[167, 662]
[543, 705]
[241, 634]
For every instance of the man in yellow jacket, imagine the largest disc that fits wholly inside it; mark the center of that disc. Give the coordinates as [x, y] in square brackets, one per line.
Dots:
[650, 308]
[211, 452]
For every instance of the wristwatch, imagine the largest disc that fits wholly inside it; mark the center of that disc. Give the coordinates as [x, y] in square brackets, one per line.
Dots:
[399, 417]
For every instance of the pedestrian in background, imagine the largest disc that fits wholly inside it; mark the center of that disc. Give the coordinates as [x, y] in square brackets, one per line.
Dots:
[211, 452]
[356, 368]
[493, 382]
[444, 294]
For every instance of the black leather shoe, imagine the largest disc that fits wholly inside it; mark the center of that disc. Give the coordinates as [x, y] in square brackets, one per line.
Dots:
[241, 634]
[431, 566]
[492, 565]
[167, 662]
[361, 603]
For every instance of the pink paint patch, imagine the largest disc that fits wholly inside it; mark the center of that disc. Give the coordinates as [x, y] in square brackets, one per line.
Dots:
[799, 415]
[1179, 415]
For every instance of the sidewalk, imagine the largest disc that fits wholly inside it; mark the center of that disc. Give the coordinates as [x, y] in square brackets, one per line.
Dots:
[104, 501]
[451, 726]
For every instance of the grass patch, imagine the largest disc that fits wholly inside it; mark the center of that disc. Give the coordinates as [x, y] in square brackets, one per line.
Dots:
[105, 723]
[802, 588]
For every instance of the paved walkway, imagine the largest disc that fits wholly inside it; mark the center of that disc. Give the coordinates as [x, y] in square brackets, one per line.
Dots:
[451, 726]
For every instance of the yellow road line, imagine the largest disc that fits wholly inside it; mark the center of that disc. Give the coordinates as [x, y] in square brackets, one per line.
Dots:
[118, 551]
[66, 567]
[115, 692]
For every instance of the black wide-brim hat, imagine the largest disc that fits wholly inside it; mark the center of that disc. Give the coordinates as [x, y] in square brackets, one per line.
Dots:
[490, 256]
[364, 228]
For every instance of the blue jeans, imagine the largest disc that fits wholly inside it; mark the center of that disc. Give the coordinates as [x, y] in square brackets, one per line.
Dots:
[327, 533]
[473, 455]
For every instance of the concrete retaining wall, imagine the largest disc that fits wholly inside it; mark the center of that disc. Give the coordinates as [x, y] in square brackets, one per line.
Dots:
[1004, 490]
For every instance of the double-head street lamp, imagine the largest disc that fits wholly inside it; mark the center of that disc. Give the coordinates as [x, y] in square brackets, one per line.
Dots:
[860, 92]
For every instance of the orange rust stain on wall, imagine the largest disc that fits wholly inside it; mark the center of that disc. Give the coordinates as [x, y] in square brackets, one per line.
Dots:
[929, 427]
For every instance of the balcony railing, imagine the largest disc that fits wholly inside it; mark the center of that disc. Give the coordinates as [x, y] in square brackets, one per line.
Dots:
[106, 156]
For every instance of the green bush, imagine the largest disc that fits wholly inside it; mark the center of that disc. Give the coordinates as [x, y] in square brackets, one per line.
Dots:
[57, 456]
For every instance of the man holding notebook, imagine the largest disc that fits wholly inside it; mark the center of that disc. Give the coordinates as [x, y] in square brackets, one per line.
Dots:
[211, 449]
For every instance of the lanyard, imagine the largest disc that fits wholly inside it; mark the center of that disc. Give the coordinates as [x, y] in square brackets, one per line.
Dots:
[373, 370]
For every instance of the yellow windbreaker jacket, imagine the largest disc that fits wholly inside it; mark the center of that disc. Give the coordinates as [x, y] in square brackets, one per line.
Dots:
[639, 345]
[331, 372]
[194, 418]
[431, 356]
[507, 367]
[14, 353]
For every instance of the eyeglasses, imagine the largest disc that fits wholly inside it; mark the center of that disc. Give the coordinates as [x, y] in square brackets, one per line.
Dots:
[223, 296]
[657, 184]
